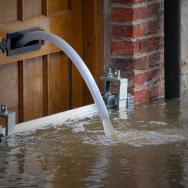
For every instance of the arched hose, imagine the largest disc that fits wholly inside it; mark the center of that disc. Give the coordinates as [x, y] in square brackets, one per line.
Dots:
[78, 62]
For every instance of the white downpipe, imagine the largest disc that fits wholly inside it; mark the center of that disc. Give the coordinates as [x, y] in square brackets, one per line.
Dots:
[78, 62]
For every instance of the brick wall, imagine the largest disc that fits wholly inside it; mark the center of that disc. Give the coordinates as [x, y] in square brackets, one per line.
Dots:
[136, 45]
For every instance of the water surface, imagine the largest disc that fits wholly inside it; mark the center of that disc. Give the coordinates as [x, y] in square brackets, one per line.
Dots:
[148, 150]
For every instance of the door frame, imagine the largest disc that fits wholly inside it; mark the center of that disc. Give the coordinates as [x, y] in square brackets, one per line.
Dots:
[172, 33]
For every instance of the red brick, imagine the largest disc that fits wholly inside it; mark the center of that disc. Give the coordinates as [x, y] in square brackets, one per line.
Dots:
[130, 64]
[125, 47]
[140, 79]
[139, 13]
[121, 31]
[153, 9]
[146, 11]
[141, 63]
[138, 1]
[154, 75]
[122, 14]
[139, 29]
[161, 56]
[121, 48]
[143, 78]
[150, 44]
[128, 1]
[162, 41]
[136, 45]
[153, 26]
[141, 96]
[156, 91]
[154, 59]
[129, 75]
[123, 64]
[128, 14]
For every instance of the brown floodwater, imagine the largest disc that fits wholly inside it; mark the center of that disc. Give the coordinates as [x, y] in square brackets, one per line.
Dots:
[148, 150]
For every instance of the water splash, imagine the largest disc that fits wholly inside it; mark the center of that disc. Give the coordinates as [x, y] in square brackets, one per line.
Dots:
[108, 129]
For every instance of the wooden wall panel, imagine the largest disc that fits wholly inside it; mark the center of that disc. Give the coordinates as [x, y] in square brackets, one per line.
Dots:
[55, 6]
[77, 43]
[32, 8]
[9, 86]
[8, 10]
[33, 88]
[93, 42]
[58, 75]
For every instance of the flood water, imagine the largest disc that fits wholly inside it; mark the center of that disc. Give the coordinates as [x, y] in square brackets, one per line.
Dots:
[148, 150]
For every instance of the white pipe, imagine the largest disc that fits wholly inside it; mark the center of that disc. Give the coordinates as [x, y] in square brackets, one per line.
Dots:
[76, 59]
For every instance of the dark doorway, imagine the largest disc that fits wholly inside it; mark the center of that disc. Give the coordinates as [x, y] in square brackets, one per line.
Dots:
[172, 48]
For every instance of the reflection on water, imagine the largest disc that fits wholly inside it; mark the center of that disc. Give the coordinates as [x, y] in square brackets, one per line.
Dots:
[148, 150]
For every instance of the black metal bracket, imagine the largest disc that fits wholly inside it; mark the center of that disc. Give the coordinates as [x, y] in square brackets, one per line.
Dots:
[8, 44]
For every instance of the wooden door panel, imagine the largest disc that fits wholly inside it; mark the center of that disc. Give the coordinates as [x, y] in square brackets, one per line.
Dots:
[8, 10]
[9, 86]
[93, 42]
[54, 25]
[59, 83]
[31, 8]
[33, 88]
[45, 81]
[77, 43]
[55, 6]
[48, 83]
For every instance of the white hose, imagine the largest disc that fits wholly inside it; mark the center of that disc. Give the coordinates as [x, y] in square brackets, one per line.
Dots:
[76, 59]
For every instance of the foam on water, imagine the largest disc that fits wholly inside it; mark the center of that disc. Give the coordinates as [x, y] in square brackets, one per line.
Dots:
[160, 123]
[137, 138]
[142, 137]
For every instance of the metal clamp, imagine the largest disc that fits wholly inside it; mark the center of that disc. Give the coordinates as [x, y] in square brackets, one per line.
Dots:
[9, 120]
[8, 44]
[118, 98]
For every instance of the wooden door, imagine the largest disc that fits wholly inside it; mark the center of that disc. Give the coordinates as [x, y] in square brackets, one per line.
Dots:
[44, 82]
